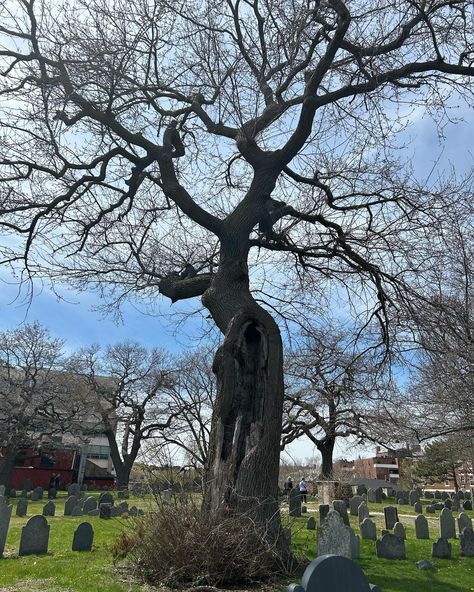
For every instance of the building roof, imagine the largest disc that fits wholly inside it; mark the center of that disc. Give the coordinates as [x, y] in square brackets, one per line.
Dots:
[374, 483]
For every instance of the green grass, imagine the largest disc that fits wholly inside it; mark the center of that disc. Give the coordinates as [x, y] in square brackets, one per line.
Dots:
[63, 570]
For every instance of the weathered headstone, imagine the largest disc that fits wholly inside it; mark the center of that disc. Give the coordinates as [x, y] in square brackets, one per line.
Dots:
[70, 504]
[83, 537]
[105, 511]
[294, 503]
[368, 530]
[399, 531]
[304, 510]
[34, 496]
[391, 516]
[390, 547]
[421, 527]
[447, 527]
[323, 512]
[444, 495]
[39, 491]
[74, 489]
[27, 484]
[34, 536]
[466, 542]
[89, 504]
[467, 505]
[460, 495]
[363, 512]
[355, 545]
[467, 495]
[77, 510]
[354, 504]
[311, 523]
[439, 506]
[441, 549]
[437, 494]
[22, 507]
[107, 498]
[133, 511]
[333, 573]
[341, 507]
[456, 504]
[464, 522]
[413, 496]
[429, 495]
[361, 489]
[448, 503]
[418, 508]
[49, 509]
[334, 537]
[93, 512]
[5, 515]
[371, 495]
[122, 508]
[430, 509]
[12, 492]
[52, 493]
[2, 489]
[124, 494]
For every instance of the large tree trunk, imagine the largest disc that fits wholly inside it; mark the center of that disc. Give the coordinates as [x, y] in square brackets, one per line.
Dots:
[243, 462]
[7, 466]
[326, 448]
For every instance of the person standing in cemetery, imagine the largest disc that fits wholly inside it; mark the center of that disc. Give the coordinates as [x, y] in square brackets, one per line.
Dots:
[288, 486]
[57, 482]
[52, 482]
[303, 489]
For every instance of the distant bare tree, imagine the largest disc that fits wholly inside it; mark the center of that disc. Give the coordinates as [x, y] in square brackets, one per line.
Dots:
[37, 398]
[126, 389]
[334, 389]
[193, 149]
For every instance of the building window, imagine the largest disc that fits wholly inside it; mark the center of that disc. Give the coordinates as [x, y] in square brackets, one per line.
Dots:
[47, 460]
[98, 452]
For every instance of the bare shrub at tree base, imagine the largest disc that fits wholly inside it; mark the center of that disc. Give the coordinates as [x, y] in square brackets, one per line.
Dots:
[179, 544]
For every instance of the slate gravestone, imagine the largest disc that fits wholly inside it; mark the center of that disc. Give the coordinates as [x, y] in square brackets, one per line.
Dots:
[294, 503]
[430, 509]
[49, 509]
[323, 512]
[311, 523]
[448, 503]
[114, 511]
[355, 545]
[134, 512]
[466, 542]
[341, 507]
[439, 506]
[93, 512]
[441, 549]
[402, 498]
[418, 508]
[333, 573]
[399, 531]
[379, 495]
[456, 504]
[89, 504]
[52, 493]
[467, 495]
[70, 504]
[74, 489]
[391, 516]
[39, 492]
[12, 492]
[105, 511]
[444, 495]
[334, 537]
[429, 495]
[5, 515]
[461, 495]
[34, 536]
[421, 527]
[22, 507]
[83, 537]
[363, 512]
[24, 493]
[124, 494]
[437, 494]
[447, 527]
[361, 489]
[35, 496]
[354, 504]
[390, 547]
[2, 489]
[371, 495]
[108, 498]
[368, 530]
[77, 510]
[304, 510]
[464, 522]
[467, 505]
[413, 496]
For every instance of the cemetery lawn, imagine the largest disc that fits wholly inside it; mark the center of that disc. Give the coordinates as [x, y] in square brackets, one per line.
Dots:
[63, 570]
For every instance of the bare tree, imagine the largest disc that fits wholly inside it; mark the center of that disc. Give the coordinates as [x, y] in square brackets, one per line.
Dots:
[36, 395]
[274, 123]
[125, 390]
[334, 389]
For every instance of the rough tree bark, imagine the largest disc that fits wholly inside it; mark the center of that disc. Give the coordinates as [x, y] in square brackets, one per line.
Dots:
[326, 448]
[7, 466]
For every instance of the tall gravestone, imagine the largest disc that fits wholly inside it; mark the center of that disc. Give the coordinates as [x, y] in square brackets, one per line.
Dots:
[83, 537]
[311, 523]
[464, 522]
[371, 495]
[399, 531]
[413, 497]
[49, 509]
[22, 507]
[5, 515]
[89, 504]
[390, 547]
[447, 527]
[391, 516]
[421, 527]
[334, 537]
[70, 504]
[362, 512]
[368, 530]
[294, 503]
[34, 536]
[341, 507]
[418, 508]
[323, 512]
[354, 504]
[466, 542]
[108, 498]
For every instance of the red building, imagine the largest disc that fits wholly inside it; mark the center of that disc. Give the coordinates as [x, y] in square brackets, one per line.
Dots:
[384, 466]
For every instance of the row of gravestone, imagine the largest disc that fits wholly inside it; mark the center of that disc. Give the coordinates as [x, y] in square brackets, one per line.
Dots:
[460, 495]
[75, 506]
[35, 534]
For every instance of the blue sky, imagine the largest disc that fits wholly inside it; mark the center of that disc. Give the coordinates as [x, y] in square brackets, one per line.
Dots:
[75, 320]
